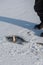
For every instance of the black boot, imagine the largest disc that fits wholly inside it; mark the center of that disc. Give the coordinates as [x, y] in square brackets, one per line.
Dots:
[41, 34]
[39, 26]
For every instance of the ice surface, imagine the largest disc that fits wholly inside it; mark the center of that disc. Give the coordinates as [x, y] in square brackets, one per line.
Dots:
[17, 17]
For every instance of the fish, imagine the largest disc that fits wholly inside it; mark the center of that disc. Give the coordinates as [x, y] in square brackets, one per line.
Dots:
[15, 38]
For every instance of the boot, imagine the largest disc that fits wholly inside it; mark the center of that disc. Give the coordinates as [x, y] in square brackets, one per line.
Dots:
[39, 26]
[41, 34]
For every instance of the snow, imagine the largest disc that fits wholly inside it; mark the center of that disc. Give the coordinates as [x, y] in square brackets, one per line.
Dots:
[17, 17]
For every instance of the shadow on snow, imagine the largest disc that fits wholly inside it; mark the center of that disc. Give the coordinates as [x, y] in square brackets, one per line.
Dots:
[21, 23]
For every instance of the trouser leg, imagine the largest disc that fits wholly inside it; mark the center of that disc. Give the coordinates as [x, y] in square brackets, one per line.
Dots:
[39, 8]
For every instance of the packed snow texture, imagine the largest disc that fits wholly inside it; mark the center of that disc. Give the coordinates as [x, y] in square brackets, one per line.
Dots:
[17, 17]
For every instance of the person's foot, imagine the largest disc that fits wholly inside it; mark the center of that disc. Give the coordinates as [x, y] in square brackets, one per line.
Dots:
[39, 26]
[41, 34]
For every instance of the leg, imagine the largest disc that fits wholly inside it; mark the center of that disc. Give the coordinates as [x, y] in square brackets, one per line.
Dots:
[39, 9]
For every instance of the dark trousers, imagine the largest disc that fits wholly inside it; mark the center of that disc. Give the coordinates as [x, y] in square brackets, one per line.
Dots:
[39, 8]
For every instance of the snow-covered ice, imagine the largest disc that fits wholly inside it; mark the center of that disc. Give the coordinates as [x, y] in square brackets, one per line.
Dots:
[17, 17]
